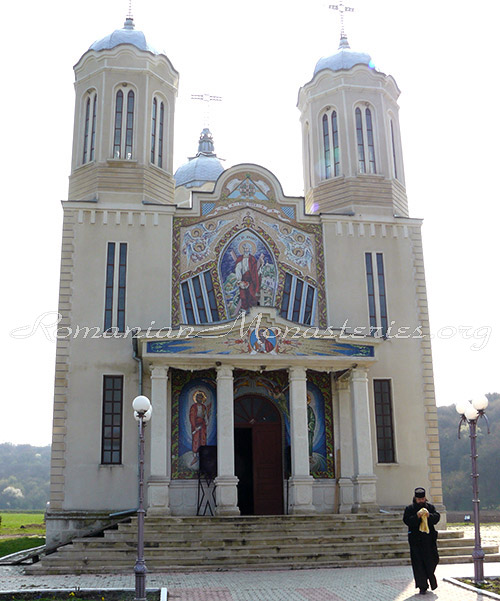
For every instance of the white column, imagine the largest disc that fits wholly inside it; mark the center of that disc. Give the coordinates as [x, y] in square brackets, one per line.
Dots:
[226, 492]
[345, 471]
[365, 491]
[301, 482]
[159, 480]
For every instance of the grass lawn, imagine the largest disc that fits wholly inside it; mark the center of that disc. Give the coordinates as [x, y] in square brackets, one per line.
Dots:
[20, 531]
[22, 524]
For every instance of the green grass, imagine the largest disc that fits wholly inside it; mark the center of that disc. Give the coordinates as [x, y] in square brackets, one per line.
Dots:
[32, 523]
[13, 545]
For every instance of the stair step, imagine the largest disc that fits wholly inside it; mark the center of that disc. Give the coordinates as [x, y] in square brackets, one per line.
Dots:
[292, 542]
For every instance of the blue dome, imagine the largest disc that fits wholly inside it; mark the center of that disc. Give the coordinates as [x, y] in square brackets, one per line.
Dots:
[344, 59]
[127, 35]
[202, 168]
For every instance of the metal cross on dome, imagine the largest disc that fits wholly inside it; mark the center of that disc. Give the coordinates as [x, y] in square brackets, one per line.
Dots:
[207, 99]
[342, 9]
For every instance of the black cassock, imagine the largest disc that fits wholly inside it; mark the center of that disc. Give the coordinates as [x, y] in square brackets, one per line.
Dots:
[423, 547]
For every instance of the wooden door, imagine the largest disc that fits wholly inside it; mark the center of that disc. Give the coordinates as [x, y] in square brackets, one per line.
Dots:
[267, 469]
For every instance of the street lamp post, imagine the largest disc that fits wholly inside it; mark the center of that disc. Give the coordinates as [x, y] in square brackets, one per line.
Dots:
[142, 413]
[471, 412]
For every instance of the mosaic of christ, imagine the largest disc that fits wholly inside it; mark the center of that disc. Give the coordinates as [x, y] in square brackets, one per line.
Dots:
[248, 274]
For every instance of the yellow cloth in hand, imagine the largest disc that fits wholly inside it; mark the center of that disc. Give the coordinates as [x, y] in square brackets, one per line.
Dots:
[423, 514]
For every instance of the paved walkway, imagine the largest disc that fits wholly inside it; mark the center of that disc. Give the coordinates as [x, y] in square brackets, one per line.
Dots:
[348, 584]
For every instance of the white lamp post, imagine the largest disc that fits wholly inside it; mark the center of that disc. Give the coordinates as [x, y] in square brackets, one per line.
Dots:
[142, 413]
[471, 412]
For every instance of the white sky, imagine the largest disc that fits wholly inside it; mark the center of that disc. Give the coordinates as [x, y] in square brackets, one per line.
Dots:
[256, 55]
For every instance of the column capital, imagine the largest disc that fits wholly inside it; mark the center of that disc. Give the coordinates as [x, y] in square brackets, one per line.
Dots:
[159, 371]
[224, 371]
[359, 374]
[297, 372]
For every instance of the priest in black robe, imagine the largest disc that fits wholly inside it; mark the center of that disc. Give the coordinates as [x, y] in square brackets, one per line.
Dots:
[420, 517]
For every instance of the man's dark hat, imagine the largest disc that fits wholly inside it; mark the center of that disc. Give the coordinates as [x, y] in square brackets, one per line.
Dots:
[420, 492]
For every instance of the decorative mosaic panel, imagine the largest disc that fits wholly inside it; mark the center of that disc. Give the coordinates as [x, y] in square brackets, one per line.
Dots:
[248, 241]
[194, 415]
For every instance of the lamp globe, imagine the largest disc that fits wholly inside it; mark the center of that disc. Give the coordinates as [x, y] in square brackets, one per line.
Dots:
[141, 404]
[480, 404]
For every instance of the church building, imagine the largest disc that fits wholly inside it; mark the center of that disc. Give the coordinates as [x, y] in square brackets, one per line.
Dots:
[283, 341]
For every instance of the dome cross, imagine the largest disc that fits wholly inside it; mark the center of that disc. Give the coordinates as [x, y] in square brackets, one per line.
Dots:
[207, 99]
[342, 9]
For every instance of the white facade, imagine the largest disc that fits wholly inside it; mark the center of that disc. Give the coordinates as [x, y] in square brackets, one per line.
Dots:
[336, 280]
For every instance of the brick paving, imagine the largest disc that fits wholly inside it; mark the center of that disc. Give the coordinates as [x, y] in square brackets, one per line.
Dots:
[393, 583]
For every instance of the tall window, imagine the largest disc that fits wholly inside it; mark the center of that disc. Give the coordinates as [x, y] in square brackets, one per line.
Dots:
[299, 300]
[116, 280]
[157, 127]
[124, 125]
[377, 301]
[365, 140]
[112, 412]
[384, 421]
[331, 152]
[394, 162]
[198, 302]
[89, 128]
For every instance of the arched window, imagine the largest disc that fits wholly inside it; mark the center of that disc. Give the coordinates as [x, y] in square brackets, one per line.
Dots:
[89, 128]
[365, 141]
[124, 124]
[331, 144]
[335, 141]
[157, 126]
[394, 162]
[326, 147]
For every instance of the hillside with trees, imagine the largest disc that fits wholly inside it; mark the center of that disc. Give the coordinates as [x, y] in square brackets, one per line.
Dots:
[24, 476]
[456, 461]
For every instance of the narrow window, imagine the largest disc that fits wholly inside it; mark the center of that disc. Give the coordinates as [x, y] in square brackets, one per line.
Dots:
[384, 421]
[187, 303]
[211, 295]
[371, 291]
[371, 144]
[381, 293]
[153, 131]
[286, 296]
[118, 125]
[122, 282]
[326, 147]
[92, 136]
[200, 303]
[160, 135]
[360, 140]
[130, 125]
[110, 278]
[336, 152]
[297, 301]
[86, 134]
[394, 151]
[308, 311]
[112, 410]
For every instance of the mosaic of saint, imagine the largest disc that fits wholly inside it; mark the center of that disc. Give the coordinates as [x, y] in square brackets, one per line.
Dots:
[195, 419]
[248, 273]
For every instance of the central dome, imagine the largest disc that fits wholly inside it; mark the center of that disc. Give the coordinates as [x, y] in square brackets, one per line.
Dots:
[202, 168]
[127, 35]
[344, 59]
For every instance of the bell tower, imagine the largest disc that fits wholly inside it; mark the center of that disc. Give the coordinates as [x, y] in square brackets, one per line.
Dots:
[351, 143]
[124, 121]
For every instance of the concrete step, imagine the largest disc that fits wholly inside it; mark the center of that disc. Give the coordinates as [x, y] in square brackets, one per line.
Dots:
[294, 542]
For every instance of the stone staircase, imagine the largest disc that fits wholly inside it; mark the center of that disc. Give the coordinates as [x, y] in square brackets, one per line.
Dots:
[252, 542]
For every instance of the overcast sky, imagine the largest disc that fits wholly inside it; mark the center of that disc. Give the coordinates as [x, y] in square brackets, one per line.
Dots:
[256, 55]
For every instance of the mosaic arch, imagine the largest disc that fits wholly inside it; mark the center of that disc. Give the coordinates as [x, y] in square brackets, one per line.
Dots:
[194, 411]
[248, 273]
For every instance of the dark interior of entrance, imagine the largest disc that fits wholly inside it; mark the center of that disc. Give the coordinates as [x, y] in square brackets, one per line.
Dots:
[258, 446]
